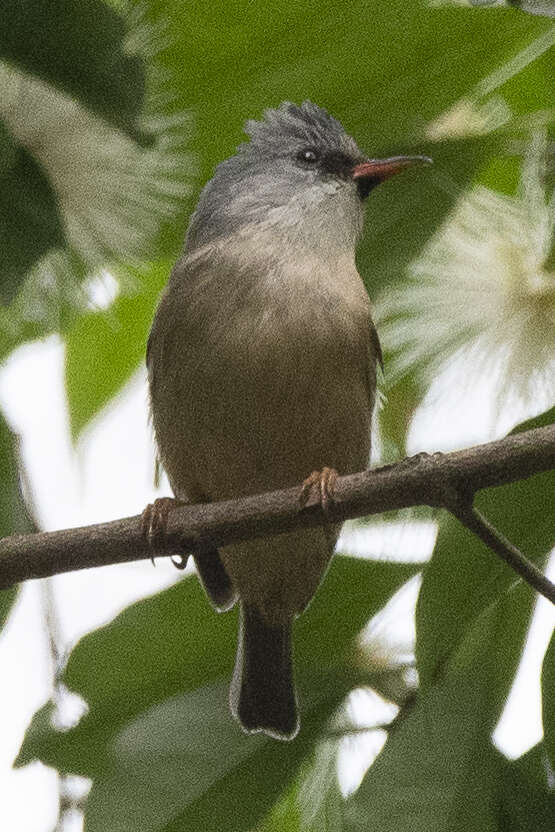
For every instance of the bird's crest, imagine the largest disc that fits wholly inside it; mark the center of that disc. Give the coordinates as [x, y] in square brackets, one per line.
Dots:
[308, 124]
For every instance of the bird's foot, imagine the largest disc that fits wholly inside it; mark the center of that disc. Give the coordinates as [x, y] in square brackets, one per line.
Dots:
[154, 525]
[154, 519]
[323, 482]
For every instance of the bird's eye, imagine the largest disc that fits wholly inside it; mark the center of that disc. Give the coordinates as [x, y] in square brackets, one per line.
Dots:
[308, 156]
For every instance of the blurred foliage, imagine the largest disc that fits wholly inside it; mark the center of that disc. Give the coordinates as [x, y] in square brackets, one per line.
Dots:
[542, 7]
[31, 222]
[438, 762]
[158, 737]
[462, 579]
[548, 696]
[527, 797]
[457, 588]
[104, 347]
[145, 97]
[14, 517]
[79, 47]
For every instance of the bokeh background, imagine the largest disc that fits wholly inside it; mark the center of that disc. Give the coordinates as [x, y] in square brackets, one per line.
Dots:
[113, 114]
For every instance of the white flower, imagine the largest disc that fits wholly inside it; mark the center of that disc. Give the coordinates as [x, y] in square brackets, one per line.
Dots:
[478, 310]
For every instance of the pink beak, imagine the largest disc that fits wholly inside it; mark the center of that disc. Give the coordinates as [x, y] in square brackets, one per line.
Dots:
[379, 170]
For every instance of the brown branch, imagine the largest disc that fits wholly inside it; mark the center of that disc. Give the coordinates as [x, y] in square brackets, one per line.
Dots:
[423, 480]
[474, 520]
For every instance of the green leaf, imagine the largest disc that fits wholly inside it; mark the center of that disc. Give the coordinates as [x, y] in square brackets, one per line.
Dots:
[540, 421]
[79, 47]
[319, 797]
[8, 152]
[183, 766]
[7, 600]
[528, 89]
[14, 518]
[506, 621]
[548, 701]
[285, 815]
[437, 771]
[173, 653]
[422, 60]
[527, 799]
[30, 222]
[464, 576]
[103, 348]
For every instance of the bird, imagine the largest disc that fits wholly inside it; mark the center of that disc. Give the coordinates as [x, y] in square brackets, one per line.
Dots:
[262, 365]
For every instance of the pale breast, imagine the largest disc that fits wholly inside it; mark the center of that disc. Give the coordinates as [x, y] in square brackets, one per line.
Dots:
[259, 379]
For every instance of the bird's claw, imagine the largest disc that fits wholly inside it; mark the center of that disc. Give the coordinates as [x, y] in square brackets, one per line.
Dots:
[154, 524]
[154, 519]
[324, 483]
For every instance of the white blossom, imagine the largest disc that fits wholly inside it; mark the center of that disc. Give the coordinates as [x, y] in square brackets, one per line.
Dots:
[478, 308]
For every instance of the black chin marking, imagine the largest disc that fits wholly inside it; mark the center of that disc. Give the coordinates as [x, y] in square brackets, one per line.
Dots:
[365, 184]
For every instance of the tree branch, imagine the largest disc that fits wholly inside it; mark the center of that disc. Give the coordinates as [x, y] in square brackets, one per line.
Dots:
[475, 521]
[441, 480]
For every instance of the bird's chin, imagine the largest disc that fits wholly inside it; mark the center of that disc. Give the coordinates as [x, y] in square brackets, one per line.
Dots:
[365, 185]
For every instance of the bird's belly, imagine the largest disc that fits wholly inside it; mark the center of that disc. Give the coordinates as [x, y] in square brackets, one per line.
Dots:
[254, 420]
[239, 431]
[280, 574]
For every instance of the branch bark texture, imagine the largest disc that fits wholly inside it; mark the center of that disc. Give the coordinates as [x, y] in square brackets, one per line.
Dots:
[438, 480]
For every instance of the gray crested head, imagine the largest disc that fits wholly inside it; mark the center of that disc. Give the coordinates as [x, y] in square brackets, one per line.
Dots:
[294, 176]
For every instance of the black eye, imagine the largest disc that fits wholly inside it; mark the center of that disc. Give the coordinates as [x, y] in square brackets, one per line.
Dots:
[308, 156]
